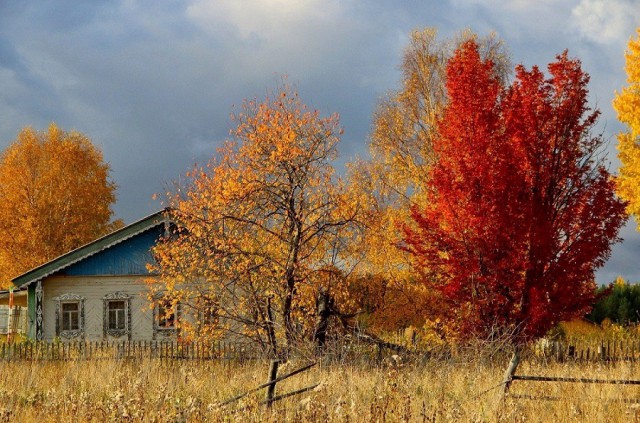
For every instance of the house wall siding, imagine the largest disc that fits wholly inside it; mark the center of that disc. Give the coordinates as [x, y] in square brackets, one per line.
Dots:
[93, 289]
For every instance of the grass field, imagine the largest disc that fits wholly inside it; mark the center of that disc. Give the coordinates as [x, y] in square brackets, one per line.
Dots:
[435, 391]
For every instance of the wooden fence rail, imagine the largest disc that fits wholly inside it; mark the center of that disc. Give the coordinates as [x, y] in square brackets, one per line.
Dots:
[271, 385]
[576, 380]
[169, 350]
[510, 376]
[162, 350]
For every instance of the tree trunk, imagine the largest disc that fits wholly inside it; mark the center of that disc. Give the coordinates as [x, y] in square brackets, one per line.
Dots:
[271, 333]
[286, 316]
[324, 304]
[290, 279]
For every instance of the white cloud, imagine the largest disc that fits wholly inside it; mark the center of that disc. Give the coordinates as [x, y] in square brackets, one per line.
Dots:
[523, 22]
[325, 44]
[269, 37]
[271, 20]
[605, 21]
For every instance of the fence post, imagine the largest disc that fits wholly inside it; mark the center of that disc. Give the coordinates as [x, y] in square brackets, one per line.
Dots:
[508, 375]
[571, 352]
[271, 389]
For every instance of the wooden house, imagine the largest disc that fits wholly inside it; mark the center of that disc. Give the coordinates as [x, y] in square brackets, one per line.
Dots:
[98, 291]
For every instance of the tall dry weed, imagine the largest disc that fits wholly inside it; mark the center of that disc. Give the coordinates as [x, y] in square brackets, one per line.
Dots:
[445, 390]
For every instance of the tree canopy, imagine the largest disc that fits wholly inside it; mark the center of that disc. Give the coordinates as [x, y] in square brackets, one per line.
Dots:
[56, 195]
[263, 227]
[627, 105]
[619, 302]
[397, 174]
[522, 210]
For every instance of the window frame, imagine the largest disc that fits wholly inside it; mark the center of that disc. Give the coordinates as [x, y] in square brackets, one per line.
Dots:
[116, 332]
[207, 314]
[69, 317]
[163, 322]
[71, 332]
[163, 330]
[116, 315]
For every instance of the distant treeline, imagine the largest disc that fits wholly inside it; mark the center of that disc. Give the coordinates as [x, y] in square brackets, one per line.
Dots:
[619, 302]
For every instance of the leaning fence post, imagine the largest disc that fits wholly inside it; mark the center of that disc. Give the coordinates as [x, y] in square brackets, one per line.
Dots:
[508, 375]
[271, 389]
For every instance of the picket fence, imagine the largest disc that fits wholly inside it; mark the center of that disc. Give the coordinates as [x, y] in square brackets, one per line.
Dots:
[163, 350]
[591, 350]
[569, 349]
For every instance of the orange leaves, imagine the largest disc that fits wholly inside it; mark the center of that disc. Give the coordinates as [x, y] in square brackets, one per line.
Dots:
[398, 174]
[55, 195]
[262, 219]
[627, 105]
[282, 130]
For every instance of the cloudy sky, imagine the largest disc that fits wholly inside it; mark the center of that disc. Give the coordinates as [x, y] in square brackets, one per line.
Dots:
[153, 82]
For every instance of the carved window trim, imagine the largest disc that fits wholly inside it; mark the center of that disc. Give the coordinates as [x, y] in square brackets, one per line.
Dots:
[208, 314]
[39, 297]
[116, 333]
[68, 299]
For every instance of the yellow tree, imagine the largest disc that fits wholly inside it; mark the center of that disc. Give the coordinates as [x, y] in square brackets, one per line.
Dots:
[627, 105]
[261, 228]
[55, 195]
[396, 177]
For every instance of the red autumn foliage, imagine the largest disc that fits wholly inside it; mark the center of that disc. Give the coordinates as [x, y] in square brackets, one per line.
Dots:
[522, 210]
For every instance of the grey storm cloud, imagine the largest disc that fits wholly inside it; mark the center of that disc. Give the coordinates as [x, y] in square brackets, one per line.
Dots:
[153, 83]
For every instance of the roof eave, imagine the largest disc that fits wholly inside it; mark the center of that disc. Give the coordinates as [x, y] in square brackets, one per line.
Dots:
[90, 249]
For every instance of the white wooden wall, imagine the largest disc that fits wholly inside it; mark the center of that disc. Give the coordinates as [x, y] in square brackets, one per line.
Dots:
[18, 319]
[93, 289]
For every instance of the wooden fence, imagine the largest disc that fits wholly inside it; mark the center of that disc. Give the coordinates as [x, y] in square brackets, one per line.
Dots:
[270, 397]
[162, 350]
[510, 377]
[571, 349]
[591, 350]
[352, 352]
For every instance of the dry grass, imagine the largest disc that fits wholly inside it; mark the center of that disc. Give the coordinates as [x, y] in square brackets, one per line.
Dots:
[435, 391]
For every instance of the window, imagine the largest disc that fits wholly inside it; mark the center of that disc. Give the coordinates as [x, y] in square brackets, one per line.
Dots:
[166, 316]
[116, 311]
[117, 315]
[208, 315]
[69, 316]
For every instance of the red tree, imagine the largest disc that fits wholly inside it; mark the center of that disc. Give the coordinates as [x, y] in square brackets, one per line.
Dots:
[522, 209]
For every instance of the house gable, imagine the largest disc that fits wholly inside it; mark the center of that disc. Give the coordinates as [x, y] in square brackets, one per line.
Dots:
[123, 252]
[129, 257]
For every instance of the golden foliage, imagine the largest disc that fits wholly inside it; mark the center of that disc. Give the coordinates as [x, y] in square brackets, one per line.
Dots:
[395, 178]
[55, 195]
[265, 224]
[581, 328]
[627, 105]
